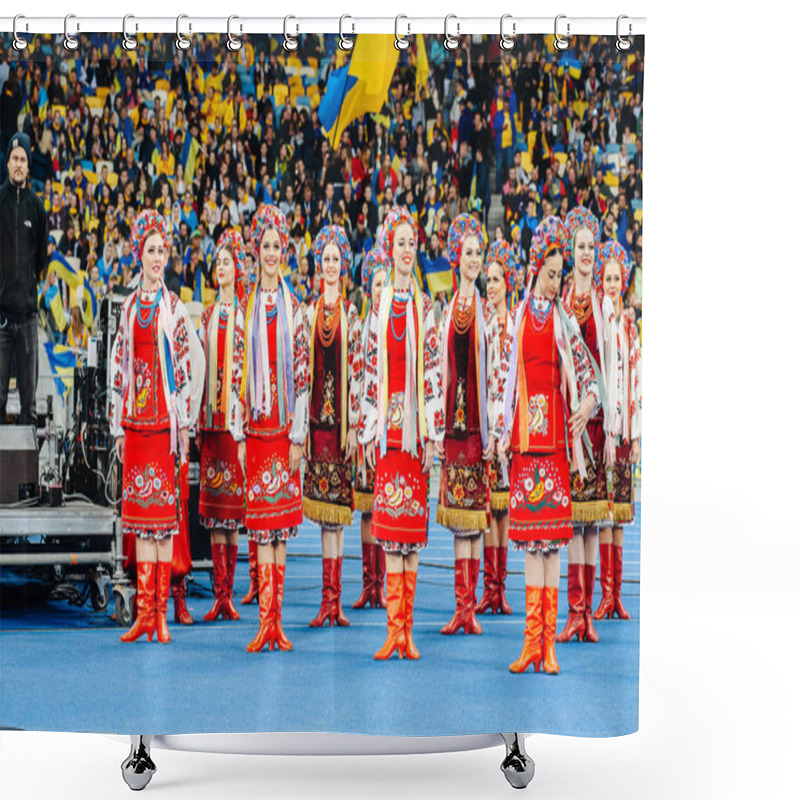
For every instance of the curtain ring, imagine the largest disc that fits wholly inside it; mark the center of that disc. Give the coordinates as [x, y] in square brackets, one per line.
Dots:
[451, 42]
[623, 42]
[561, 43]
[129, 42]
[70, 42]
[344, 42]
[181, 41]
[233, 44]
[507, 41]
[290, 42]
[19, 42]
[401, 42]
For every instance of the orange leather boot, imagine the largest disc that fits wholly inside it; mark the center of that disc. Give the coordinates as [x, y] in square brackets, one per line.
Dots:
[395, 617]
[367, 575]
[281, 639]
[409, 590]
[266, 627]
[327, 608]
[606, 607]
[228, 609]
[145, 603]
[252, 592]
[490, 564]
[534, 624]
[219, 558]
[550, 606]
[576, 624]
[162, 598]
[619, 609]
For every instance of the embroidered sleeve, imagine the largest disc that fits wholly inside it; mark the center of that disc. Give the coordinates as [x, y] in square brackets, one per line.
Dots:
[119, 362]
[584, 374]
[355, 370]
[505, 380]
[432, 366]
[368, 411]
[302, 378]
[635, 401]
[494, 398]
[237, 417]
[182, 363]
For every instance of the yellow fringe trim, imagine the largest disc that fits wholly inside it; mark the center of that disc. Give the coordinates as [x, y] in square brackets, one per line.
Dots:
[327, 513]
[460, 520]
[363, 501]
[623, 512]
[500, 501]
[593, 511]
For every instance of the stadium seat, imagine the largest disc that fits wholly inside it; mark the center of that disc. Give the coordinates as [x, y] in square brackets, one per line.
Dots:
[610, 179]
[560, 157]
[56, 233]
[526, 162]
[637, 214]
[162, 85]
[280, 93]
[636, 203]
[186, 295]
[612, 149]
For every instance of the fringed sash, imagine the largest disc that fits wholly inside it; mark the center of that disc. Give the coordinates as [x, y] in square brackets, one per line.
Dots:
[212, 366]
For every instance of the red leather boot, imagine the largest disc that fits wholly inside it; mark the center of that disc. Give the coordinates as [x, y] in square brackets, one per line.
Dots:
[409, 590]
[502, 561]
[576, 624]
[327, 609]
[340, 618]
[606, 607]
[367, 575]
[228, 609]
[162, 598]
[550, 612]
[181, 613]
[461, 618]
[490, 583]
[252, 592]
[145, 603]
[534, 625]
[219, 558]
[266, 626]
[281, 639]
[590, 634]
[379, 597]
[619, 609]
[474, 577]
[395, 617]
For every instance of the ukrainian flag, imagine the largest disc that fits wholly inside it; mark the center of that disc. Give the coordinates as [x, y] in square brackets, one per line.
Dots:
[360, 87]
[191, 147]
[52, 302]
[423, 67]
[62, 364]
[439, 276]
[90, 312]
[65, 270]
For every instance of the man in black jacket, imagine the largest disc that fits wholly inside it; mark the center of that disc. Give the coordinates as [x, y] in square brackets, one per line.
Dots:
[23, 258]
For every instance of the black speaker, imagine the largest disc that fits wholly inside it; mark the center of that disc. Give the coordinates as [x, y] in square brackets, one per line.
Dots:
[19, 463]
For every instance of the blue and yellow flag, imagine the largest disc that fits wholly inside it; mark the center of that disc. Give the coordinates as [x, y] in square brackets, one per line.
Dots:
[191, 147]
[62, 364]
[90, 312]
[439, 276]
[73, 277]
[360, 87]
[423, 68]
[52, 302]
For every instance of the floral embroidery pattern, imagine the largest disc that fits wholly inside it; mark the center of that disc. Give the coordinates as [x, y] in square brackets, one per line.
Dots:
[460, 418]
[219, 480]
[539, 490]
[466, 485]
[394, 414]
[538, 409]
[144, 382]
[328, 410]
[272, 485]
[328, 482]
[397, 499]
[148, 487]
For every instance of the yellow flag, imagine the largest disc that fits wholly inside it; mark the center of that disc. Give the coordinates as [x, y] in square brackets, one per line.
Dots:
[423, 67]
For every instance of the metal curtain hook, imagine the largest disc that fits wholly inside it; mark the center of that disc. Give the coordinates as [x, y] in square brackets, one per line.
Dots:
[507, 41]
[451, 42]
[561, 42]
[401, 42]
[181, 42]
[344, 42]
[19, 42]
[233, 44]
[290, 42]
[129, 42]
[70, 42]
[623, 42]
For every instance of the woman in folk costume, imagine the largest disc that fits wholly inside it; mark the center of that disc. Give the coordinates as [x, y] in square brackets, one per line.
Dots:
[333, 415]
[611, 276]
[270, 420]
[374, 268]
[550, 393]
[222, 485]
[402, 415]
[501, 274]
[591, 506]
[152, 406]
[470, 353]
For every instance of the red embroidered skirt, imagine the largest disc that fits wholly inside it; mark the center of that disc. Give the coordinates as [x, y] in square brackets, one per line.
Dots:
[622, 497]
[221, 482]
[149, 505]
[274, 497]
[328, 484]
[464, 487]
[400, 507]
[590, 495]
[540, 509]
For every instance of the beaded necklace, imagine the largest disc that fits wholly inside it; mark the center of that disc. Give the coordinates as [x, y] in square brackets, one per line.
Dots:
[462, 319]
[149, 308]
[328, 323]
[398, 314]
[541, 309]
[581, 306]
